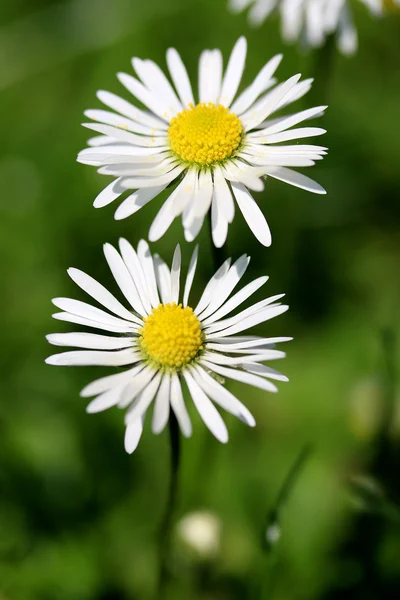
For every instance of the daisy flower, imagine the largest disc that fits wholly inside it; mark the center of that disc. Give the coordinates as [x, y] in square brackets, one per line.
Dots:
[167, 342]
[312, 20]
[212, 151]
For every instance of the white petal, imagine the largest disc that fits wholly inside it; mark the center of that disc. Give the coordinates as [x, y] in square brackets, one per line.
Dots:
[136, 201]
[144, 399]
[134, 387]
[161, 405]
[190, 276]
[107, 383]
[242, 376]
[295, 119]
[201, 200]
[106, 400]
[109, 194]
[236, 300]
[294, 134]
[132, 262]
[122, 135]
[206, 409]
[210, 76]
[264, 107]
[100, 293]
[255, 319]
[233, 73]
[123, 278]
[220, 359]
[146, 261]
[109, 118]
[152, 77]
[264, 371]
[133, 433]
[252, 214]
[233, 277]
[212, 285]
[231, 345]
[91, 341]
[144, 95]
[163, 277]
[180, 77]
[178, 406]
[260, 84]
[94, 358]
[70, 318]
[93, 314]
[219, 222]
[173, 206]
[175, 274]
[143, 182]
[219, 394]
[225, 200]
[130, 111]
[295, 179]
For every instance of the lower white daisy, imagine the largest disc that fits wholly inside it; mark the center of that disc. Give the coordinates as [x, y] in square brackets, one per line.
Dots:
[312, 20]
[167, 342]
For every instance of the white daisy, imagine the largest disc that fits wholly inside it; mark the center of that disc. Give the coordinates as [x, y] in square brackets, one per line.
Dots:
[214, 150]
[312, 20]
[167, 342]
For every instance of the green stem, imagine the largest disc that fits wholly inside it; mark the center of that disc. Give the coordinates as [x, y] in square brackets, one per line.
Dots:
[167, 522]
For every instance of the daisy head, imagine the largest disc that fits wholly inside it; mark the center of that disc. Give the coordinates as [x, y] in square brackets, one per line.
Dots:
[312, 21]
[166, 342]
[209, 153]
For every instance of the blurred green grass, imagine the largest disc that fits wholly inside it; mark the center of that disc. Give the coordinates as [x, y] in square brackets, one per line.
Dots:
[78, 517]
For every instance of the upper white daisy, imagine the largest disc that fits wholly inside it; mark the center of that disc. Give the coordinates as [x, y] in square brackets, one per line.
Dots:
[312, 20]
[167, 341]
[215, 150]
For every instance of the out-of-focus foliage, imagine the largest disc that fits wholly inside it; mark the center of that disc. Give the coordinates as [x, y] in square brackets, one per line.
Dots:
[78, 516]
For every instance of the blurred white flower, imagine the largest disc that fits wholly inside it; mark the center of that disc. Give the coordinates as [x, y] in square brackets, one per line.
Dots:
[201, 532]
[311, 20]
[215, 149]
[167, 342]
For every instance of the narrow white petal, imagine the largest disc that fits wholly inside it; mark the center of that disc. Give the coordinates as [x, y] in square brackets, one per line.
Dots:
[137, 200]
[130, 111]
[70, 318]
[296, 179]
[138, 182]
[109, 194]
[230, 345]
[206, 409]
[163, 277]
[251, 321]
[225, 200]
[123, 278]
[295, 119]
[211, 286]
[190, 276]
[127, 137]
[264, 371]
[260, 84]
[201, 200]
[294, 134]
[106, 383]
[133, 433]
[144, 399]
[161, 405]
[219, 394]
[134, 387]
[175, 274]
[180, 77]
[252, 214]
[153, 77]
[233, 277]
[144, 95]
[236, 300]
[219, 222]
[109, 118]
[233, 73]
[94, 358]
[242, 376]
[220, 359]
[97, 291]
[87, 311]
[178, 406]
[91, 341]
[106, 400]
[210, 76]
[146, 261]
[132, 262]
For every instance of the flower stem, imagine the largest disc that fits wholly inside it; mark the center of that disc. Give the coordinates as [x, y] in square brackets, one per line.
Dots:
[167, 521]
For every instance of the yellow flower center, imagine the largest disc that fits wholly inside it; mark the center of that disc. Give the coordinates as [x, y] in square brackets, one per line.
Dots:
[205, 134]
[171, 336]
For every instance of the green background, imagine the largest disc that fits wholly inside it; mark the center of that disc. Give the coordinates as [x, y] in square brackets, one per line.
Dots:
[79, 518]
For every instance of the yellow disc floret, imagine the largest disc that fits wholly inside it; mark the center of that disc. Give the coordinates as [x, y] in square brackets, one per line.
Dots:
[205, 134]
[171, 336]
